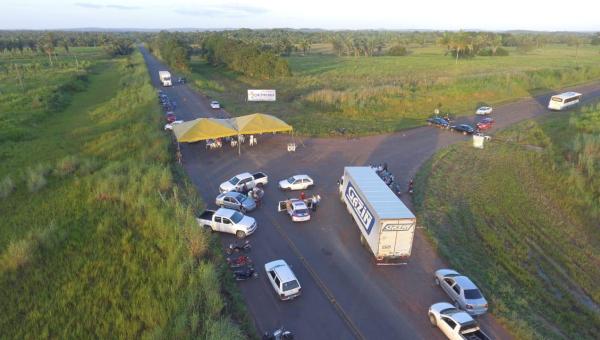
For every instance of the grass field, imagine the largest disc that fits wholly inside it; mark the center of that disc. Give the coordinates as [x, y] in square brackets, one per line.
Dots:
[97, 236]
[521, 218]
[379, 94]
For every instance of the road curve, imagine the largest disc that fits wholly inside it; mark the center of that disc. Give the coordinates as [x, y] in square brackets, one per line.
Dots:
[344, 295]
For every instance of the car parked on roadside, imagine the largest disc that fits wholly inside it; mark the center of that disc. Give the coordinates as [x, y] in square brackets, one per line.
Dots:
[296, 182]
[439, 122]
[227, 221]
[462, 291]
[283, 280]
[454, 323]
[485, 124]
[296, 208]
[465, 129]
[484, 110]
[236, 201]
[215, 104]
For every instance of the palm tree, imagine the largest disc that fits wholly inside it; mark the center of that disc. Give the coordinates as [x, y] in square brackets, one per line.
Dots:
[48, 44]
[460, 43]
[445, 40]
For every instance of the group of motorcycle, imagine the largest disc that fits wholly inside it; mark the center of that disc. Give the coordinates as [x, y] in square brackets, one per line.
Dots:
[241, 265]
[388, 178]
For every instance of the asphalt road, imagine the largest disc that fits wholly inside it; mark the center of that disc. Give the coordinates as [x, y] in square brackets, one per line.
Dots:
[344, 294]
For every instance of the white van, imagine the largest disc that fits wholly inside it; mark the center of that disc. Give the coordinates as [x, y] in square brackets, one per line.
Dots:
[564, 100]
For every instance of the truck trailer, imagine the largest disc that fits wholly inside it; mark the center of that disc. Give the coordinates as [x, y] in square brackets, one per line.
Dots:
[165, 78]
[386, 225]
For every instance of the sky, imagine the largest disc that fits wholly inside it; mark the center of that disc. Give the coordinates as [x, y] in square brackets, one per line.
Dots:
[542, 15]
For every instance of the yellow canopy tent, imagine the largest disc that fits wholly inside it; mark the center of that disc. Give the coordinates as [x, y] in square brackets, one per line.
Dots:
[202, 129]
[259, 123]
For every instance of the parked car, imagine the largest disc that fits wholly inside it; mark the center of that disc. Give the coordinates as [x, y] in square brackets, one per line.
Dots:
[439, 122]
[296, 182]
[454, 323]
[236, 201]
[227, 221]
[283, 280]
[243, 181]
[170, 116]
[181, 80]
[465, 129]
[485, 124]
[484, 110]
[462, 291]
[296, 208]
[215, 104]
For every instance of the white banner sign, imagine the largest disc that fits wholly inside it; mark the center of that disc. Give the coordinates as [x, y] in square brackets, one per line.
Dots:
[261, 95]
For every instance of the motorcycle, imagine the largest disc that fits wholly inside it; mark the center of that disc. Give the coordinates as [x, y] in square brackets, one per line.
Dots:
[239, 261]
[410, 187]
[278, 334]
[235, 247]
[244, 274]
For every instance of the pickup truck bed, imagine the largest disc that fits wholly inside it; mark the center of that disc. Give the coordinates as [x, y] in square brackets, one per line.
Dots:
[476, 335]
[207, 215]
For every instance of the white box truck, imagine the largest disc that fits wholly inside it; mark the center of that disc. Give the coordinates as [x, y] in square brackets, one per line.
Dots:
[165, 78]
[386, 225]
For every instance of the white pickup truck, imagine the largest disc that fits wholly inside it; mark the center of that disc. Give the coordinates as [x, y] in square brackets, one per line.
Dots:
[455, 323]
[244, 182]
[227, 221]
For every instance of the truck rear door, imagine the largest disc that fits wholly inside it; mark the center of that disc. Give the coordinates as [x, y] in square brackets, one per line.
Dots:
[396, 239]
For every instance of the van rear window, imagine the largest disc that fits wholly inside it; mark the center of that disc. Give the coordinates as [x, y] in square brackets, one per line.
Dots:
[290, 285]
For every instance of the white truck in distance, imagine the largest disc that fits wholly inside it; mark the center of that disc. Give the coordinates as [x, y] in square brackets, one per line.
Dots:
[386, 225]
[244, 182]
[165, 78]
[227, 221]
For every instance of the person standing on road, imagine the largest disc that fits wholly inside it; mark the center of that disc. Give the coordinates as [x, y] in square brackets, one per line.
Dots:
[302, 195]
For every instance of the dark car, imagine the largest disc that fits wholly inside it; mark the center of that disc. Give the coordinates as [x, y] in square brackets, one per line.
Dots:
[485, 124]
[181, 80]
[439, 122]
[463, 128]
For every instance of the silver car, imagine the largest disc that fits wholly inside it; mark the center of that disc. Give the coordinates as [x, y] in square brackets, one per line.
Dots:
[235, 200]
[462, 291]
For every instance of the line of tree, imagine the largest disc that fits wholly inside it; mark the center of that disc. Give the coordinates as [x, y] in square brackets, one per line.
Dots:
[172, 48]
[247, 58]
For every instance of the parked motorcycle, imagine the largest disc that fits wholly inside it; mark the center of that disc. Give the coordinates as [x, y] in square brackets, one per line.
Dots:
[236, 248]
[239, 261]
[278, 334]
[245, 273]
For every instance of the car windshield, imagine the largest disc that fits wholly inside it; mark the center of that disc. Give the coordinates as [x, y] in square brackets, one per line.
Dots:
[472, 294]
[556, 99]
[241, 198]
[237, 217]
[291, 180]
[290, 285]
[234, 180]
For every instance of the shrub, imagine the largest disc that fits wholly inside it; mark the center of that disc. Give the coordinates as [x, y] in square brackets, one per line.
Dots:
[397, 50]
[17, 254]
[66, 166]
[7, 186]
[36, 178]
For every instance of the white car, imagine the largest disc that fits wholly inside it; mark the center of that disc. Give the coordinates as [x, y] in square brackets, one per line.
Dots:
[169, 127]
[297, 182]
[462, 291]
[215, 104]
[283, 280]
[454, 323]
[296, 208]
[484, 110]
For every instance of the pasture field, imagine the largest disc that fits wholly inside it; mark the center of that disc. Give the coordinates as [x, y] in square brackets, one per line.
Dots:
[382, 94]
[521, 218]
[98, 237]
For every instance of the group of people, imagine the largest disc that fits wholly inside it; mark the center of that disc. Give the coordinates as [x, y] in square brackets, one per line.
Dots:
[233, 141]
[255, 193]
[389, 179]
[311, 202]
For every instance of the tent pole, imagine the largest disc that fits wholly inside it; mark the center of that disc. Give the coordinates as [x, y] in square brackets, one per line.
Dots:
[239, 146]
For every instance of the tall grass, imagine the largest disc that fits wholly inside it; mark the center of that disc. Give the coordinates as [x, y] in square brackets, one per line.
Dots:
[523, 223]
[383, 94]
[110, 246]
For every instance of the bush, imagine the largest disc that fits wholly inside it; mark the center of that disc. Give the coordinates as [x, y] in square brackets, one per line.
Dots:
[7, 186]
[66, 166]
[36, 178]
[397, 50]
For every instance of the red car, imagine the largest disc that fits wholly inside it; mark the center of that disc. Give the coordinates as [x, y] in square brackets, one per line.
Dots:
[171, 117]
[485, 124]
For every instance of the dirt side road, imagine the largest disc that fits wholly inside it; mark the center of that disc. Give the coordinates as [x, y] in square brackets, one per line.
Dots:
[344, 294]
